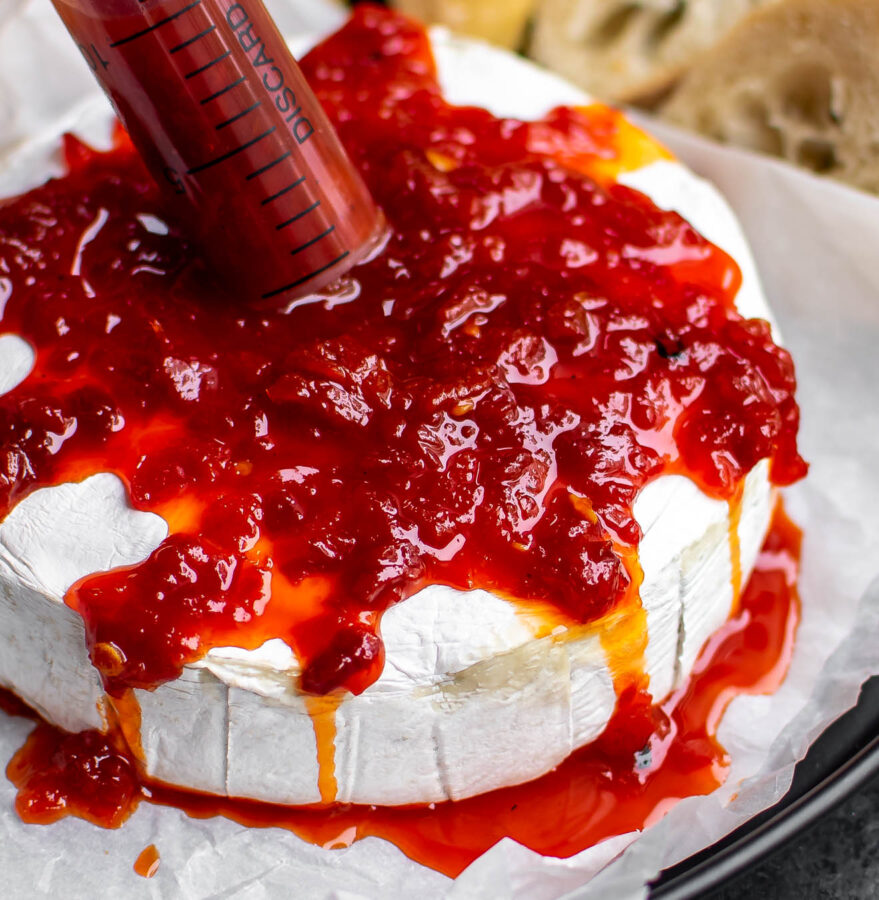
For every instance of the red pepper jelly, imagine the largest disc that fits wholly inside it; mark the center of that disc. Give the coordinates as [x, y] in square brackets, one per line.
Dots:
[630, 777]
[479, 406]
[225, 122]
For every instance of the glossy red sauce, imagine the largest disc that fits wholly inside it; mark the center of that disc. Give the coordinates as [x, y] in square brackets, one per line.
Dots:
[88, 775]
[647, 759]
[479, 406]
[226, 123]
[147, 863]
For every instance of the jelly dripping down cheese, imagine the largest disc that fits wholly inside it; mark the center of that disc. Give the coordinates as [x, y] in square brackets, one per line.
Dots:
[429, 418]
[647, 759]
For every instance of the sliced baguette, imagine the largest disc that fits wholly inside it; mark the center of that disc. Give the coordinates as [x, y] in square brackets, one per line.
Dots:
[502, 22]
[799, 80]
[623, 51]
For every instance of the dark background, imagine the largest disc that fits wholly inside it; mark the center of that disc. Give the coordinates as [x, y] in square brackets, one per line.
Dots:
[831, 815]
[837, 858]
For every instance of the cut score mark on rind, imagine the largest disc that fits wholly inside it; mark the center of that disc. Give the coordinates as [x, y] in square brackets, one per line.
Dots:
[342, 775]
[747, 656]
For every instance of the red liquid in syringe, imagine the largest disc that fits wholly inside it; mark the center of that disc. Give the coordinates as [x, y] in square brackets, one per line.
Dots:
[225, 121]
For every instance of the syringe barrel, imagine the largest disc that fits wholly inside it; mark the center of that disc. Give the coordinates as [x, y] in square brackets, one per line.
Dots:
[223, 117]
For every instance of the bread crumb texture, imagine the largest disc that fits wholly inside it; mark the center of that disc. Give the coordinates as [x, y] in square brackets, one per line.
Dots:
[623, 51]
[799, 80]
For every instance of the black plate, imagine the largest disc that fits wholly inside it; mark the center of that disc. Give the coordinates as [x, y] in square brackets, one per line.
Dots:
[843, 758]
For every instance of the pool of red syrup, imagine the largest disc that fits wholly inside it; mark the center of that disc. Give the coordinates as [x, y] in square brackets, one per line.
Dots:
[645, 761]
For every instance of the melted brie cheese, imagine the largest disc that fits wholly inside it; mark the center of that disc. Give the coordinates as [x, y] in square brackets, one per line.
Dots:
[473, 695]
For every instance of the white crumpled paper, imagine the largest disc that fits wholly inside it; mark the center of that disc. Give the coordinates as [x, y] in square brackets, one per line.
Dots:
[816, 247]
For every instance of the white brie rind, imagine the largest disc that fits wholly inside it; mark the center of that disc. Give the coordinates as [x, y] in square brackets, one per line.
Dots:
[472, 697]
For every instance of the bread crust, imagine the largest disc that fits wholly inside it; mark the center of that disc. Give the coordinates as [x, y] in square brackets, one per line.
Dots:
[501, 22]
[799, 80]
[623, 51]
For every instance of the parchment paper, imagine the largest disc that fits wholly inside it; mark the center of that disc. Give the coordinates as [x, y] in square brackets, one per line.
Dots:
[817, 248]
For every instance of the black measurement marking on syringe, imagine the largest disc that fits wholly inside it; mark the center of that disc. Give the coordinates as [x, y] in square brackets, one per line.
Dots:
[283, 191]
[207, 66]
[308, 277]
[155, 25]
[239, 115]
[93, 57]
[267, 166]
[213, 162]
[192, 40]
[298, 216]
[222, 91]
[313, 241]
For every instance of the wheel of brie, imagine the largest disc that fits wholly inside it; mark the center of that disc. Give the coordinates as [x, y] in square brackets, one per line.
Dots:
[466, 683]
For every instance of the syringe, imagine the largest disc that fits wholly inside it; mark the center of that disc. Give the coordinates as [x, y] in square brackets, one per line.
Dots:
[226, 123]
